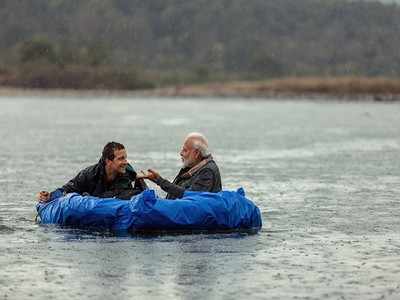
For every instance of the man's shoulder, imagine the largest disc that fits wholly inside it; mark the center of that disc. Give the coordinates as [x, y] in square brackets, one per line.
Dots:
[92, 170]
[210, 167]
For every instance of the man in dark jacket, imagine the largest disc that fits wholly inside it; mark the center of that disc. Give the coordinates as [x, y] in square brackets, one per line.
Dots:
[111, 177]
[199, 172]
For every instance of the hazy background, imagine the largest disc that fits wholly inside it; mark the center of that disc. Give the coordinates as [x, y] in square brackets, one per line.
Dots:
[150, 43]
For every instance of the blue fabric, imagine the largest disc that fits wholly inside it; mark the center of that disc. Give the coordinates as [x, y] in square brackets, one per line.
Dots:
[226, 210]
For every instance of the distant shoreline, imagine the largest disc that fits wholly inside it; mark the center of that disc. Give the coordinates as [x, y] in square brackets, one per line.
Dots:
[343, 88]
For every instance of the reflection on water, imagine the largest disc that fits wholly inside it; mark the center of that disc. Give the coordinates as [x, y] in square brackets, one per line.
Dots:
[325, 176]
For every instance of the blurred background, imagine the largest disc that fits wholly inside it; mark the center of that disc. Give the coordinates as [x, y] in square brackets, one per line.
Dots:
[134, 44]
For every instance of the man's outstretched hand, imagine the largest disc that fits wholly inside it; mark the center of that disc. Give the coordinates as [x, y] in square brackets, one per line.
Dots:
[149, 174]
[43, 196]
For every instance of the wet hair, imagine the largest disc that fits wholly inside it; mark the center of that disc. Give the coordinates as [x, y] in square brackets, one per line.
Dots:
[109, 148]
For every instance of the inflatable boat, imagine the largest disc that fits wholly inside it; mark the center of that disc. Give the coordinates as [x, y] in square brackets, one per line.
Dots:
[196, 212]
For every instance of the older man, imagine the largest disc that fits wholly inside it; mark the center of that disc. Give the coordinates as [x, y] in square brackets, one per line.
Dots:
[111, 177]
[199, 171]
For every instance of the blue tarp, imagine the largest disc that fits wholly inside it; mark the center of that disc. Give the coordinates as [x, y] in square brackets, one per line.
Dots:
[223, 211]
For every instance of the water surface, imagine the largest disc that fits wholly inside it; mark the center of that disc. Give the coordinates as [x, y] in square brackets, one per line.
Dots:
[325, 176]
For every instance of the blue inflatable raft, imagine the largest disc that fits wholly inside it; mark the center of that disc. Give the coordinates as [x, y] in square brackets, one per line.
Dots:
[226, 211]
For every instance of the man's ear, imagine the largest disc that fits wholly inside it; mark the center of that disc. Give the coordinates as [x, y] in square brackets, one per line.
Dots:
[198, 154]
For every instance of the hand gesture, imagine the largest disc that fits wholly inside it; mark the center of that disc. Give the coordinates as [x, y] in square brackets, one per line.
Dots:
[149, 174]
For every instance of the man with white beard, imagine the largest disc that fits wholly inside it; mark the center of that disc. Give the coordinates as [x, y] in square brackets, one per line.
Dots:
[199, 171]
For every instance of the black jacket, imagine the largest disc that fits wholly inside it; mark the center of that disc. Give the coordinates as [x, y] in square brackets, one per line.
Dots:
[206, 179]
[92, 181]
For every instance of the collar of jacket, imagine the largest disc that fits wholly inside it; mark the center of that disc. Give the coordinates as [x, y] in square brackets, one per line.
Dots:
[197, 167]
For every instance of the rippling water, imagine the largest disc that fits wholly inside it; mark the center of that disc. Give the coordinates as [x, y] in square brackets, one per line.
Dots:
[326, 176]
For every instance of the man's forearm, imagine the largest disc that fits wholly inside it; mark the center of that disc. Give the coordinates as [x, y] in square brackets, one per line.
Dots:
[175, 191]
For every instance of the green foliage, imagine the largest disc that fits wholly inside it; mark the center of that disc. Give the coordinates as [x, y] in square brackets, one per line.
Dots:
[202, 74]
[41, 50]
[263, 38]
[80, 77]
[67, 55]
[37, 49]
[265, 66]
[97, 54]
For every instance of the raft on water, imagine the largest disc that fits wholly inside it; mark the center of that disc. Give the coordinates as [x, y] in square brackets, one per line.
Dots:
[226, 211]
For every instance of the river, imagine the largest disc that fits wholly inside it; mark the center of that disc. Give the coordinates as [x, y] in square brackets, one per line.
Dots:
[325, 175]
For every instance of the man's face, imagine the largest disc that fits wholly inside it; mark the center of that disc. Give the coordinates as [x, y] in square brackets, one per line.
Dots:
[189, 154]
[119, 163]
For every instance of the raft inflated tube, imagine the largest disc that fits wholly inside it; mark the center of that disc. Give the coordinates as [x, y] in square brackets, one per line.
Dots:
[196, 211]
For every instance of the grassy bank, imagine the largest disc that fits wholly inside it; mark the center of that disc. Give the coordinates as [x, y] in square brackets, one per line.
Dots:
[106, 80]
[34, 76]
[343, 87]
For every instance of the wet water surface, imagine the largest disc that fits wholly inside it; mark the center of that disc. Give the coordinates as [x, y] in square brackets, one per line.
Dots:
[325, 175]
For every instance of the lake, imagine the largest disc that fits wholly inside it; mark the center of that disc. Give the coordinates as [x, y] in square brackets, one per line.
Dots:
[325, 175]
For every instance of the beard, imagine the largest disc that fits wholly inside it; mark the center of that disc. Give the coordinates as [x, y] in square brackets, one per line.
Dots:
[186, 163]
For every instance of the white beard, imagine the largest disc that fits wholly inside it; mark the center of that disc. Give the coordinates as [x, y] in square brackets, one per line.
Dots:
[186, 163]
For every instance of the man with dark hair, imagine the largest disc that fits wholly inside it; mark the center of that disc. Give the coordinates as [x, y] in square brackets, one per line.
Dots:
[199, 171]
[111, 177]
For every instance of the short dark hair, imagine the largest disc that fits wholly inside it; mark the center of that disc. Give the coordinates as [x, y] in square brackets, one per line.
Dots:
[109, 148]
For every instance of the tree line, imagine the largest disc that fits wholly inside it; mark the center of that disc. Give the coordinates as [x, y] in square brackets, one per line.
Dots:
[177, 40]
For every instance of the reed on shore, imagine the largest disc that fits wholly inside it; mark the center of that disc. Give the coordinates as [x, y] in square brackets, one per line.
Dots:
[377, 88]
[75, 77]
[108, 80]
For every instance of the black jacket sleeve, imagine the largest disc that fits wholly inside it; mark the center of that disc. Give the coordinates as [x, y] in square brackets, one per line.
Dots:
[201, 182]
[78, 184]
[173, 190]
